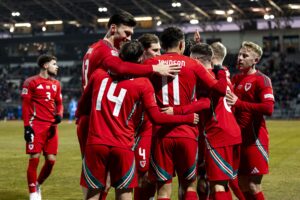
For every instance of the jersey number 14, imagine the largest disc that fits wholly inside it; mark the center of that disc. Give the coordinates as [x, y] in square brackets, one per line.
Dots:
[118, 100]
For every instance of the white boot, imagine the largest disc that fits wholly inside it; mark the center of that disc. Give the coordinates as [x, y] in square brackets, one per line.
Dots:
[34, 196]
[39, 191]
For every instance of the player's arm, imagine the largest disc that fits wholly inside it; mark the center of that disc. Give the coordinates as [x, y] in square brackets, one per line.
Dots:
[26, 101]
[161, 118]
[266, 106]
[194, 107]
[217, 86]
[26, 104]
[85, 101]
[116, 65]
[59, 105]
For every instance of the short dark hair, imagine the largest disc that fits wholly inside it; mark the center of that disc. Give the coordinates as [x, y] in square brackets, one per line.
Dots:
[170, 37]
[42, 59]
[188, 45]
[203, 50]
[131, 51]
[147, 39]
[122, 17]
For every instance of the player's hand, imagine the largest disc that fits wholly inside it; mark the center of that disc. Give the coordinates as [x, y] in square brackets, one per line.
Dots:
[57, 119]
[166, 70]
[197, 37]
[196, 118]
[167, 110]
[216, 69]
[231, 98]
[28, 134]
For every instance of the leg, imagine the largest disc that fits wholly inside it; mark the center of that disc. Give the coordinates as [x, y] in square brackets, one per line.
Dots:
[107, 187]
[164, 190]
[219, 189]
[124, 194]
[93, 194]
[32, 172]
[189, 190]
[47, 168]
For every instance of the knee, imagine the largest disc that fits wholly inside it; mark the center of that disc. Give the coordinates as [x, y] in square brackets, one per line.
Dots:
[254, 188]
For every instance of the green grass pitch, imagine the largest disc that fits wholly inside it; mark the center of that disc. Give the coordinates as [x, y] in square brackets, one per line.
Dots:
[281, 184]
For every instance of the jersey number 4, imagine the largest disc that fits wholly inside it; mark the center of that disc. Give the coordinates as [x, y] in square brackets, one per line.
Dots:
[118, 100]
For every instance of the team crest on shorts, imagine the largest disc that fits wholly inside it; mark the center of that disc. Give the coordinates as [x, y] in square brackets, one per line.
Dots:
[143, 163]
[30, 146]
[247, 86]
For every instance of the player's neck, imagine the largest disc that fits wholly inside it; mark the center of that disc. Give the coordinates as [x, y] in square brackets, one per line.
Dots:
[44, 74]
[252, 70]
[173, 50]
[109, 38]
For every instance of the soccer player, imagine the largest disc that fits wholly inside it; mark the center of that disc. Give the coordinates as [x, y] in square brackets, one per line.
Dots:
[221, 133]
[175, 147]
[220, 52]
[113, 100]
[146, 189]
[104, 54]
[252, 99]
[42, 110]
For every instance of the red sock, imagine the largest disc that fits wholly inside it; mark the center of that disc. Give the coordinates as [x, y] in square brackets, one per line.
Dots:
[229, 195]
[259, 196]
[190, 195]
[32, 174]
[234, 185]
[220, 196]
[163, 199]
[46, 170]
[103, 195]
[248, 196]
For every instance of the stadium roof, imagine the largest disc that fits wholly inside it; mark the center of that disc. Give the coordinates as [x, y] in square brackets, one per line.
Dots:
[162, 11]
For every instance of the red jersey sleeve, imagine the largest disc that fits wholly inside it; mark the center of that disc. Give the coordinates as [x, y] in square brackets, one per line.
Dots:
[148, 99]
[218, 86]
[26, 101]
[58, 101]
[194, 107]
[266, 97]
[112, 62]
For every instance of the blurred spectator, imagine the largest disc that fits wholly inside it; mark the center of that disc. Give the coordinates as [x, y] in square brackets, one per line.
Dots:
[72, 109]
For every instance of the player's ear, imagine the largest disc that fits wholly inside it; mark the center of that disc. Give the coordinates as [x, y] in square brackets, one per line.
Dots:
[113, 29]
[181, 45]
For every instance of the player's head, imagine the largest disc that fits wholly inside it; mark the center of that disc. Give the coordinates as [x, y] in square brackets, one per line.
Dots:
[151, 45]
[188, 45]
[172, 39]
[121, 28]
[203, 53]
[249, 55]
[132, 51]
[48, 63]
[220, 52]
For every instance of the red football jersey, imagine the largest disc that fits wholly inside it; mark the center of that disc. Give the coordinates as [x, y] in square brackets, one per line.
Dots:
[221, 128]
[218, 122]
[41, 100]
[178, 91]
[257, 90]
[103, 55]
[114, 107]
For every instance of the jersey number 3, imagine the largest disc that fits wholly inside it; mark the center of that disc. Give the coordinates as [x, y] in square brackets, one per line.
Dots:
[118, 100]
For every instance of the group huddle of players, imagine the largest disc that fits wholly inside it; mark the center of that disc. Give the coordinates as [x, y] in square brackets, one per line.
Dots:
[144, 118]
